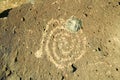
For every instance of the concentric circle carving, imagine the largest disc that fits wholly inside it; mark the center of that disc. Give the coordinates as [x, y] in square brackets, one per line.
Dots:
[62, 46]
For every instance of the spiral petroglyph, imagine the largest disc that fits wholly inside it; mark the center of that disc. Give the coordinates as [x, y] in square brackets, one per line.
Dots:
[62, 46]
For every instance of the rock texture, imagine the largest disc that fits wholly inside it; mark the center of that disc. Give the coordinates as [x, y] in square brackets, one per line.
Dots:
[24, 29]
[8, 4]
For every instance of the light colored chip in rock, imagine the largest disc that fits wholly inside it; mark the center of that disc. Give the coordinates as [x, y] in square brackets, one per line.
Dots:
[73, 24]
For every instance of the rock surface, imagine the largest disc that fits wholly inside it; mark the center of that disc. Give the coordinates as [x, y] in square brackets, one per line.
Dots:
[8, 4]
[28, 28]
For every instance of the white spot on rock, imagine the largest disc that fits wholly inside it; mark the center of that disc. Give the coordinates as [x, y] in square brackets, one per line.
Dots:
[73, 24]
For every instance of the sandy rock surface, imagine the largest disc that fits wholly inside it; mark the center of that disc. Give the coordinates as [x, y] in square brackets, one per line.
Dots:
[8, 4]
[35, 45]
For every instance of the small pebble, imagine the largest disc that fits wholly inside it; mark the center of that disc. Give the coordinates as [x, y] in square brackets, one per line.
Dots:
[73, 24]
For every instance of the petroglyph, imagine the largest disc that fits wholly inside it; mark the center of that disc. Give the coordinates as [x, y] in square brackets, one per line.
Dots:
[62, 46]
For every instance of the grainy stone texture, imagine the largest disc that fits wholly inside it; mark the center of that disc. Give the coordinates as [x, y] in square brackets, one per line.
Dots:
[22, 30]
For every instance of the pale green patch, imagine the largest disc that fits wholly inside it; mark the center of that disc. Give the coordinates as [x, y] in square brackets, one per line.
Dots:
[73, 24]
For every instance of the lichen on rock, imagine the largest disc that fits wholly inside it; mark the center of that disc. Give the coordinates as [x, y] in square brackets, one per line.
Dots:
[73, 24]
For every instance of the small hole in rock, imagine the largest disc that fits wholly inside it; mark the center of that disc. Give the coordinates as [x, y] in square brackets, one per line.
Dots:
[96, 70]
[119, 3]
[44, 29]
[109, 2]
[62, 78]
[116, 69]
[20, 10]
[99, 49]
[98, 30]
[14, 32]
[6, 68]
[20, 78]
[31, 78]
[59, 9]
[78, 75]
[109, 40]
[54, 25]
[49, 73]
[36, 12]
[86, 14]
[15, 59]
[30, 52]
[73, 68]
[6, 29]
[53, 36]
[23, 19]
[30, 9]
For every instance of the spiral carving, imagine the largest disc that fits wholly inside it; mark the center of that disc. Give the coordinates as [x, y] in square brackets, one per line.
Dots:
[62, 46]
